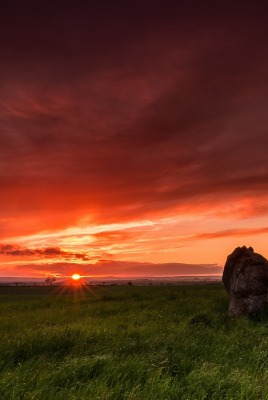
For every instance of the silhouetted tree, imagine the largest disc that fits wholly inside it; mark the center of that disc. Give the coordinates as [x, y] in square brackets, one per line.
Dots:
[49, 280]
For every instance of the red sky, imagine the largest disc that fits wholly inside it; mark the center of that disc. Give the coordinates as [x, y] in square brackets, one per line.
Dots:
[134, 136]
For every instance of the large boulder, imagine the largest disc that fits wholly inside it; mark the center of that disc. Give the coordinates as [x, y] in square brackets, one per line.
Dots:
[245, 277]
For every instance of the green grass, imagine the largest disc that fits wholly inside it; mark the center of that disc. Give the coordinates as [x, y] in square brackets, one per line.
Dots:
[148, 343]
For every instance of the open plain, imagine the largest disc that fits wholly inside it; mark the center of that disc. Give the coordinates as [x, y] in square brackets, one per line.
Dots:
[150, 343]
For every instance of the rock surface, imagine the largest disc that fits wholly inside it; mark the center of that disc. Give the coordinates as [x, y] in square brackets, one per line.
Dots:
[245, 277]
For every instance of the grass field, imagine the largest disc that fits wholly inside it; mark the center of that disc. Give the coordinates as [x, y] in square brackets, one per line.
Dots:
[148, 343]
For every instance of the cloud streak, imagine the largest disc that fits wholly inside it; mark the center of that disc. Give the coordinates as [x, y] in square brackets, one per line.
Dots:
[107, 268]
[49, 252]
[231, 233]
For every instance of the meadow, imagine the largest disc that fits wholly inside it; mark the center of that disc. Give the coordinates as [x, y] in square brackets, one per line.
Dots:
[146, 343]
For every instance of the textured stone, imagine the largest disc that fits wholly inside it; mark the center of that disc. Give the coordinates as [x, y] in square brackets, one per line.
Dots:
[245, 277]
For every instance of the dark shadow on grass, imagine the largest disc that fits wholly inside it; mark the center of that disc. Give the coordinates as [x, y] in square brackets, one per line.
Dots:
[261, 318]
[201, 319]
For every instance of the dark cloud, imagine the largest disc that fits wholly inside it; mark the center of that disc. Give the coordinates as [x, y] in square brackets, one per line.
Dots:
[48, 252]
[128, 112]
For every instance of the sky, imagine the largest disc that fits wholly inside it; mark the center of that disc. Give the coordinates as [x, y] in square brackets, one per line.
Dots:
[133, 136]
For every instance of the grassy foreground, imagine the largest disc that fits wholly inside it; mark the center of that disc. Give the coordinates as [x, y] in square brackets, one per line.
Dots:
[129, 343]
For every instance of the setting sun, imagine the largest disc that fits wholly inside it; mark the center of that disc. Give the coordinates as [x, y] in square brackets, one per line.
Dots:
[76, 277]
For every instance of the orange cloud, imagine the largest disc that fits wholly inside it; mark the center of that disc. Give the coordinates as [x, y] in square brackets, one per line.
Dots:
[230, 233]
[106, 268]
